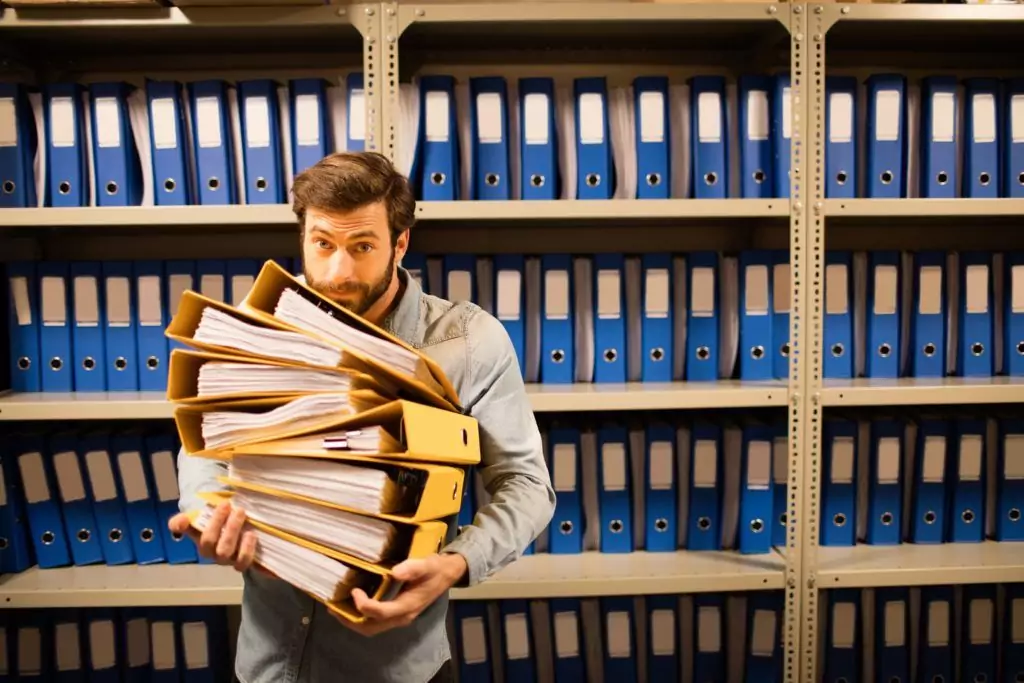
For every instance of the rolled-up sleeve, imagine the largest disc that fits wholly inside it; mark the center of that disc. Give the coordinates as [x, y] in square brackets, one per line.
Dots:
[196, 475]
[512, 463]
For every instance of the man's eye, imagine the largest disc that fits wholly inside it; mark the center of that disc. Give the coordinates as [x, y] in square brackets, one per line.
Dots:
[323, 244]
[364, 248]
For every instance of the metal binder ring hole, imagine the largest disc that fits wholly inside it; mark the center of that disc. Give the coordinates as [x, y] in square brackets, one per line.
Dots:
[967, 516]
[146, 535]
[437, 178]
[757, 353]
[938, 679]
[56, 364]
[838, 350]
[213, 183]
[758, 177]
[942, 178]
[537, 180]
[1020, 178]
[884, 350]
[841, 680]
[929, 350]
[886, 177]
[492, 179]
[115, 535]
[757, 526]
[704, 523]
[894, 679]
[984, 178]
[24, 363]
[111, 188]
[9, 187]
[64, 187]
[784, 350]
[593, 179]
[152, 362]
[654, 179]
[1019, 678]
[980, 678]
[783, 519]
[48, 538]
[88, 364]
[657, 354]
[3, 544]
[558, 355]
[120, 363]
[977, 348]
[1014, 515]
[616, 526]
[1020, 348]
[841, 178]
[610, 355]
[661, 524]
[261, 184]
[710, 178]
[886, 519]
[929, 517]
[175, 536]
[169, 185]
[565, 527]
[703, 353]
[839, 519]
[83, 535]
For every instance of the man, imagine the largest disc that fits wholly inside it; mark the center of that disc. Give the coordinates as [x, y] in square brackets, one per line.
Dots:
[354, 213]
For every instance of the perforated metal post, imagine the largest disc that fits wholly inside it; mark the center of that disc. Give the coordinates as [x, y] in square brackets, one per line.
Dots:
[367, 18]
[389, 99]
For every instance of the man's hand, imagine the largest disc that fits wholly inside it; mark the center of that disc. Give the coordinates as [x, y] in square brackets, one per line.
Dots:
[223, 541]
[425, 581]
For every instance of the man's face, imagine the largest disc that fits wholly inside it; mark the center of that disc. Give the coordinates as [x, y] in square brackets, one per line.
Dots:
[348, 257]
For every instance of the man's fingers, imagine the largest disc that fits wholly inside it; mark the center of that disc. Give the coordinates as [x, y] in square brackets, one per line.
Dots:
[179, 524]
[401, 606]
[246, 551]
[208, 539]
[409, 570]
[227, 546]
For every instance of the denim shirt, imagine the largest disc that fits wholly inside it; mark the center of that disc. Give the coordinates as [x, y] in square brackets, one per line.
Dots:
[287, 637]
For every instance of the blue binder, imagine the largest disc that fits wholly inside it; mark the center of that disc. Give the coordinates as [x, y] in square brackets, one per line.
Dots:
[978, 645]
[88, 340]
[709, 662]
[614, 481]
[653, 138]
[67, 181]
[883, 314]
[16, 553]
[780, 314]
[76, 505]
[886, 156]
[892, 634]
[538, 139]
[107, 499]
[556, 327]
[439, 135]
[23, 327]
[516, 640]
[566, 622]
[928, 315]
[1013, 308]
[510, 301]
[214, 144]
[609, 319]
[416, 265]
[136, 480]
[975, 353]
[781, 133]
[310, 122]
[757, 163]
[34, 646]
[115, 159]
[492, 175]
[172, 185]
[203, 634]
[936, 649]
[656, 331]
[839, 490]
[709, 142]
[756, 315]
[1010, 481]
[134, 640]
[967, 474]
[261, 142]
[180, 276]
[662, 629]
[838, 324]
[1013, 138]
[17, 154]
[763, 649]
[981, 138]
[69, 634]
[42, 502]
[472, 626]
[660, 491]
[619, 639]
[705, 525]
[1013, 648]
[150, 324]
[55, 329]
[841, 137]
[938, 137]
[843, 644]
[356, 101]
[167, 659]
[885, 487]
[595, 178]
[780, 484]
[121, 357]
[756, 490]
[160, 452]
[566, 536]
[928, 491]
[460, 277]
[702, 317]
[106, 651]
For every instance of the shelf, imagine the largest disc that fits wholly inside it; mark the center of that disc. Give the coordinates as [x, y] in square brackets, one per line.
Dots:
[148, 216]
[909, 391]
[866, 566]
[145, 405]
[946, 209]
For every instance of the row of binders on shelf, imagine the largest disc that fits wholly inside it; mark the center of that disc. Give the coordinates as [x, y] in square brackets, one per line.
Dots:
[165, 143]
[107, 645]
[893, 137]
[668, 484]
[493, 138]
[933, 478]
[925, 314]
[89, 497]
[933, 633]
[734, 638]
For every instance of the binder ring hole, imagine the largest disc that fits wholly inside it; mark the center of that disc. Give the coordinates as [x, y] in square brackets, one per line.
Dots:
[437, 178]
[783, 519]
[83, 535]
[886, 519]
[977, 348]
[894, 679]
[9, 187]
[703, 353]
[213, 183]
[841, 680]
[757, 353]
[1019, 678]
[654, 179]
[261, 184]
[710, 178]
[984, 178]
[146, 535]
[1014, 515]
[661, 524]
[839, 519]
[537, 180]
[1020, 178]
[492, 179]
[929, 350]
[929, 517]
[169, 185]
[115, 535]
[884, 350]
[784, 350]
[838, 350]
[657, 354]
[56, 364]
[938, 679]
[593, 179]
[558, 355]
[3, 544]
[24, 363]
[64, 187]
[757, 526]
[758, 177]
[176, 537]
[565, 527]
[967, 516]
[1020, 348]
[841, 178]
[111, 188]
[615, 526]
[704, 523]
[610, 355]
[48, 537]
[980, 678]
[886, 177]
[465, 438]
[120, 363]
[152, 362]
[88, 364]
[942, 178]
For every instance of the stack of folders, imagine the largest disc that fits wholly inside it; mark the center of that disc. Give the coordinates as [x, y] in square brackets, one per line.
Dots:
[345, 446]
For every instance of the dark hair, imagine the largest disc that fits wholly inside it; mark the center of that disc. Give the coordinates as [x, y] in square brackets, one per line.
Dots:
[351, 180]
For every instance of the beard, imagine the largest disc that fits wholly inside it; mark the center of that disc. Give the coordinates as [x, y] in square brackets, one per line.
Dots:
[359, 296]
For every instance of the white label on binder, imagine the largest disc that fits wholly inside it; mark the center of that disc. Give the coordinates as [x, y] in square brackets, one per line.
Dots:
[705, 464]
[933, 467]
[844, 618]
[709, 629]
[1017, 118]
[30, 651]
[240, 286]
[652, 117]
[1013, 457]
[663, 632]
[8, 122]
[780, 464]
[755, 282]
[556, 295]
[787, 113]
[178, 284]
[977, 289]
[257, 122]
[437, 116]
[887, 115]
[938, 623]
[619, 645]
[983, 108]
[138, 643]
[537, 119]
[662, 466]
[930, 301]
[101, 476]
[840, 117]
[943, 117]
[357, 116]
[762, 640]
[591, 119]
[150, 308]
[195, 644]
[62, 122]
[709, 117]
[780, 288]
[108, 122]
[895, 623]
[3, 501]
[609, 294]
[1017, 621]
[212, 287]
[101, 645]
[702, 292]
[69, 651]
[1017, 289]
[970, 457]
[33, 478]
[656, 293]
[460, 285]
[837, 296]
[489, 118]
[165, 123]
[119, 313]
[981, 621]
[510, 294]
[613, 467]
[165, 476]
[567, 634]
[87, 301]
[69, 476]
[888, 470]
[307, 120]
[517, 636]
[758, 115]
[133, 477]
[208, 117]
[564, 457]
[55, 305]
[885, 290]
[19, 295]
[474, 641]
[842, 460]
[759, 465]
[165, 656]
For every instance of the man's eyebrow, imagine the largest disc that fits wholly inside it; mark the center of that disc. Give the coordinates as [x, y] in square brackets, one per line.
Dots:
[361, 234]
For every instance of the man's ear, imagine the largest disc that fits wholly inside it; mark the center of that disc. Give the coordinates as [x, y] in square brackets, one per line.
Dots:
[402, 245]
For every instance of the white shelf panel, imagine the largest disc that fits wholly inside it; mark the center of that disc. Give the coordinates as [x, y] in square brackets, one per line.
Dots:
[866, 566]
[616, 209]
[129, 405]
[146, 216]
[909, 391]
[895, 208]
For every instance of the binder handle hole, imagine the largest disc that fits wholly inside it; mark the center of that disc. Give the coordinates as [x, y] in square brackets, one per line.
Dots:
[703, 353]
[967, 516]
[115, 535]
[984, 178]
[929, 350]
[783, 519]
[704, 523]
[838, 350]
[610, 355]
[152, 362]
[437, 178]
[492, 179]
[784, 350]
[1020, 178]
[929, 517]
[120, 363]
[565, 527]
[593, 179]
[24, 363]
[176, 537]
[841, 680]
[894, 679]
[654, 179]
[886, 177]
[757, 353]
[759, 177]
[757, 526]
[169, 185]
[839, 519]
[977, 349]
[1019, 677]
[56, 364]
[48, 538]
[213, 184]
[1020, 348]
[942, 178]
[537, 180]
[9, 187]
[886, 519]
[261, 184]
[661, 524]
[558, 355]
[657, 354]
[884, 350]
[841, 178]
[3, 544]
[465, 438]
[111, 188]
[616, 526]
[938, 679]
[455, 492]
[146, 535]
[88, 364]
[980, 678]
[64, 187]
[1014, 515]
[83, 535]
[711, 178]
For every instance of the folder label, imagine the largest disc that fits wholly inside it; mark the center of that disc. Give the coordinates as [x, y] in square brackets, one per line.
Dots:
[933, 467]
[938, 623]
[101, 645]
[194, 642]
[591, 119]
[888, 461]
[787, 115]
[1017, 289]
[702, 304]
[885, 290]
[756, 284]
[613, 466]
[240, 286]
[8, 122]
[357, 115]
[474, 642]
[212, 286]
[567, 641]
[661, 466]
[609, 295]
[842, 460]
[844, 617]
[165, 129]
[759, 465]
[118, 302]
[165, 477]
[460, 285]
[517, 637]
[930, 302]
[705, 464]
[895, 623]
[1017, 118]
[780, 288]
[709, 117]
[565, 467]
[30, 651]
[977, 289]
[619, 646]
[652, 116]
[132, 476]
[209, 118]
[509, 296]
[178, 284]
[663, 632]
[762, 641]
[780, 467]
[87, 304]
[101, 475]
[437, 117]
[709, 629]
[108, 122]
[3, 502]
[887, 115]
[69, 477]
[943, 117]
[489, 118]
[19, 293]
[138, 643]
[970, 458]
[150, 310]
[54, 301]
[1017, 617]
[536, 116]
[656, 293]
[257, 122]
[307, 120]
[1013, 460]
[33, 478]
[556, 295]
[840, 119]
[837, 297]
[981, 621]
[983, 107]
[62, 122]
[758, 118]
[69, 654]
[164, 655]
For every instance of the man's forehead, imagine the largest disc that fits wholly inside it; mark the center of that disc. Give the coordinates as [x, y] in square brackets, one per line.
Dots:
[347, 221]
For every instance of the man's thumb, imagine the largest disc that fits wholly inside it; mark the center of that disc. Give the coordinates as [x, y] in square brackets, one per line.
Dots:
[410, 570]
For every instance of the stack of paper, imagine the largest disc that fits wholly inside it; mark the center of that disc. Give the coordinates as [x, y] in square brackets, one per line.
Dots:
[217, 328]
[225, 428]
[217, 378]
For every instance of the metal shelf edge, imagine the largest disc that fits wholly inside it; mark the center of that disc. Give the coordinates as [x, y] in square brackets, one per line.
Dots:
[892, 208]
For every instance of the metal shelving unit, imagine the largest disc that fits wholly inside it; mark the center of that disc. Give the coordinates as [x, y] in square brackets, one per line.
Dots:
[909, 391]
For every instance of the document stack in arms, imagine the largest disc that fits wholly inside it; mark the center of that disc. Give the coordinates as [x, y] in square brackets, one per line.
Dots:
[345, 446]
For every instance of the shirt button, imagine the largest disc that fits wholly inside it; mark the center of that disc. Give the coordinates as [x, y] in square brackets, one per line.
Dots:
[305, 621]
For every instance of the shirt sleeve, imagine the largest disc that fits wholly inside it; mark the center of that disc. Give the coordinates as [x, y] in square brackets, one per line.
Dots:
[196, 475]
[512, 463]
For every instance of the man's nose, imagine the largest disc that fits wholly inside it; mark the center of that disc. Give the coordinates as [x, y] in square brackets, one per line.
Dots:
[340, 267]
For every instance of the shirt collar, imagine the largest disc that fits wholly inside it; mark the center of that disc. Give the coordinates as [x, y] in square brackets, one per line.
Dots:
[404, 319]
